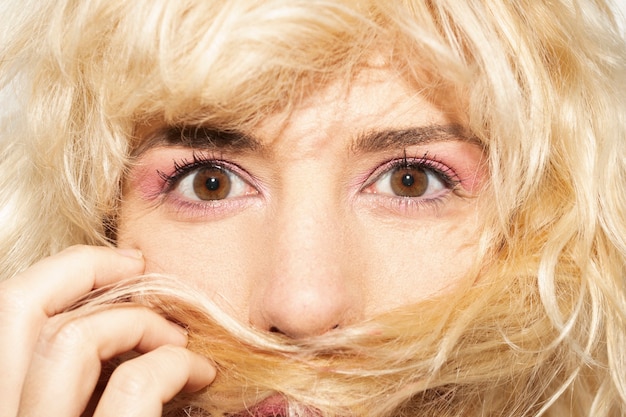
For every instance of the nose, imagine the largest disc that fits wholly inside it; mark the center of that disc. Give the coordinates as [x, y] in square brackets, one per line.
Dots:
[307, 287]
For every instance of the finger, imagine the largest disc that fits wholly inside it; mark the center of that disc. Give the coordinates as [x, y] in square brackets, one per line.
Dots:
[43, 290]
[140, 387]
[66, 361]
[55, 282]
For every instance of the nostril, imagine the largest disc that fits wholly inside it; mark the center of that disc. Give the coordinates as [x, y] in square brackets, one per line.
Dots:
[274, 329]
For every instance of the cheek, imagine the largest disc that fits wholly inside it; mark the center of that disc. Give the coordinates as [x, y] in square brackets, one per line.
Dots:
[419, 261]
[198, 254]
[388, 263]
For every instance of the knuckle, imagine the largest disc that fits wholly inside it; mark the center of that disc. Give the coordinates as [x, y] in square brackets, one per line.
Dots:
[175, 357]
[144, 375]
[61, 337]
[177, 353]
[79, 251]
[133, 379]
[13, 301]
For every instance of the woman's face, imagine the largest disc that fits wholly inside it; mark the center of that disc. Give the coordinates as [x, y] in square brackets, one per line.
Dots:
[352, 204]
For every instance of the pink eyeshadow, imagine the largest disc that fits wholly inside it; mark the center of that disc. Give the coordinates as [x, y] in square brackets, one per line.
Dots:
[147, 175]
[467, 161]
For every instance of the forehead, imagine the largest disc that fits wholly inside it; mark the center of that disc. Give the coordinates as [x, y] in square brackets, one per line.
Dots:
[376, 99]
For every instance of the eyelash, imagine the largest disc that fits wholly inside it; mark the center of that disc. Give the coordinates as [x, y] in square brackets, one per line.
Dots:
[446, 174]
[184, 167]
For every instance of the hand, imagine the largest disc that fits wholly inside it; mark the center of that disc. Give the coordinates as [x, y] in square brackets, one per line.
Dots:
[50, 361]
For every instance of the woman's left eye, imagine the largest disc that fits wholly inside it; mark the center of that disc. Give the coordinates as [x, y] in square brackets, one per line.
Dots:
[212, 182]
[410, 180]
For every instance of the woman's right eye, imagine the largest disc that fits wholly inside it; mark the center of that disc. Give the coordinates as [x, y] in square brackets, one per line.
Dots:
[213, 182]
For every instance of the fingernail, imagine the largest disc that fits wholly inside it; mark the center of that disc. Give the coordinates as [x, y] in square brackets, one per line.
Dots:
[130, 253]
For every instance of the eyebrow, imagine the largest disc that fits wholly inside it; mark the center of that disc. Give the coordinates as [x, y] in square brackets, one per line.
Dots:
[381, 140]
[205, 137]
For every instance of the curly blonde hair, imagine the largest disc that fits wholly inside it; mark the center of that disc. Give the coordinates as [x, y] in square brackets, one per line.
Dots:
[541, 84]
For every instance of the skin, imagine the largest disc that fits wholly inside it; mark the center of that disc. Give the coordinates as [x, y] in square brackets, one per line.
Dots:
[51, 361]
[311, 238]
[310, 245]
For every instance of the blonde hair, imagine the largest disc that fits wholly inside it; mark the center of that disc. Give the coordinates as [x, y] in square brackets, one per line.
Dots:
[541, 84]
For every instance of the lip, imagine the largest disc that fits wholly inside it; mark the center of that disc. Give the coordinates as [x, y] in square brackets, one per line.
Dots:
[274, 406]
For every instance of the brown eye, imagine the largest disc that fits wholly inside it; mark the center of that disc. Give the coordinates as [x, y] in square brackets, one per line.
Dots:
[409, 181]
[211, 183]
